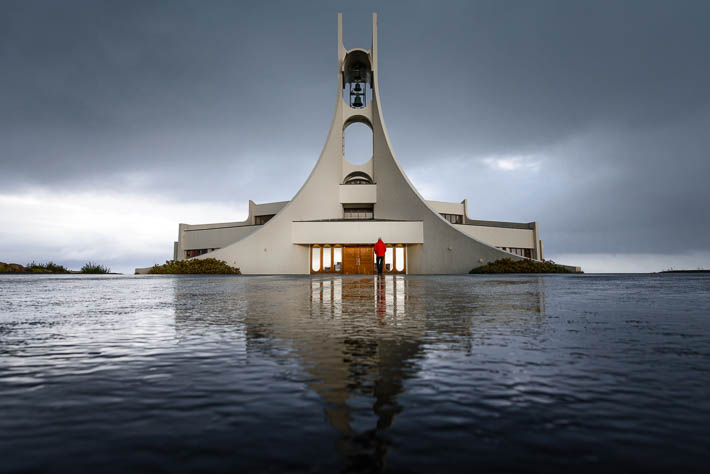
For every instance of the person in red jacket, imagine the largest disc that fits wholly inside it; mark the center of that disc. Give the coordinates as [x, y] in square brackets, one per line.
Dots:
[380, 249]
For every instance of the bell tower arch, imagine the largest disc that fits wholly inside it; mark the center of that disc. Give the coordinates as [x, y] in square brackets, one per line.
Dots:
[356, 82]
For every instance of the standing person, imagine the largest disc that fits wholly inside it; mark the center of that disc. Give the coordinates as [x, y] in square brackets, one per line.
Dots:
[380, 249]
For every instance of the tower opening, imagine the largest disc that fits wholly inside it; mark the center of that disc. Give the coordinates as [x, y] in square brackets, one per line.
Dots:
[358, 146]
[357, 79]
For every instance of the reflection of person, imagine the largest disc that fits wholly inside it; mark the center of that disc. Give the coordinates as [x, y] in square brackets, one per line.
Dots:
[380, 249]
[381, 301]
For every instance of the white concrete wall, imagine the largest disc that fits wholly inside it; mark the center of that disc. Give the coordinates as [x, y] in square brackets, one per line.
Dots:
[221, 234]
[357, 232]
[216, 237]
[358, 193]
[447, 207]
[499, 236]
[268, 208]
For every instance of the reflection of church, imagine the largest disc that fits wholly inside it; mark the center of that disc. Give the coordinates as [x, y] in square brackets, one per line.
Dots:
[359, 338]
[331, 223]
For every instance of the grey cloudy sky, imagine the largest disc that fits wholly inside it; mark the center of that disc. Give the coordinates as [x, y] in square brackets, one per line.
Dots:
[592, 118]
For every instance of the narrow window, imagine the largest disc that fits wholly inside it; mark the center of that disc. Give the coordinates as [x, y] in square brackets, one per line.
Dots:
[196, 252]
[261, 220]
[453, 218]
[389, 255]
[362, 212]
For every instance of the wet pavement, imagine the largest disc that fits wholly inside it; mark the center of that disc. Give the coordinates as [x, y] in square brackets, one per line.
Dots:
[355, 374]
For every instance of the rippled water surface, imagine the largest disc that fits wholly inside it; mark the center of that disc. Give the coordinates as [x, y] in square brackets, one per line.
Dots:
[349, 374]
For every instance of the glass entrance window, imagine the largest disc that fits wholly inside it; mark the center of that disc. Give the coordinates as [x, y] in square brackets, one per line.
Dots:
[326, 258]
[399, 258]
[355, 259]
[315, 259]
[389, 262]
[338, 259]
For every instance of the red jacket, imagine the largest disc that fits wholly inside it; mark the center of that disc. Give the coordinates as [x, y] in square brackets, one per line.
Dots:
[380, 248]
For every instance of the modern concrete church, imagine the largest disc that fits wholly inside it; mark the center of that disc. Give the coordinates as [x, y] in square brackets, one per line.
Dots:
[333, 221]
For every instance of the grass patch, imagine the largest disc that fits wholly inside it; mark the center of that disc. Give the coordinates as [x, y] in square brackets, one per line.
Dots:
[210, 266]
[508, 265]
[95, 268]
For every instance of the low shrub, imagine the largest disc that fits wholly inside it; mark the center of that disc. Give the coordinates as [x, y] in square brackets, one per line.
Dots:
[508, 265]
[194, 267]
[91, 267]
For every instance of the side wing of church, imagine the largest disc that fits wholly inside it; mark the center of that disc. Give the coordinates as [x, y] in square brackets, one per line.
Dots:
[333, 221]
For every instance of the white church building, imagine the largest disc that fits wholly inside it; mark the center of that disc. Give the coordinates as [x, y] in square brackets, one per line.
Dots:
[332, 222]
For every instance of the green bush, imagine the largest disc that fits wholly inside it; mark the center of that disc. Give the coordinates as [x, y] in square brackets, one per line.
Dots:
[91, 267]
[508, 265]
[194, 267]
[49, 267]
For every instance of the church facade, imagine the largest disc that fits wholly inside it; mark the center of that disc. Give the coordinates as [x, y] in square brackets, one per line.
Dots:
[340, 211]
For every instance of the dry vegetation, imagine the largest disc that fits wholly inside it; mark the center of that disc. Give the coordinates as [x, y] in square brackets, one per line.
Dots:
[49, 267]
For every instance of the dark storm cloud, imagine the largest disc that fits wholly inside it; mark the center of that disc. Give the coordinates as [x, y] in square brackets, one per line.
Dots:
[220, 100]
[94, 89]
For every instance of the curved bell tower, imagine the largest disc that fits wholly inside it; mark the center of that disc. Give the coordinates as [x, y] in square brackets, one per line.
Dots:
[349, 205]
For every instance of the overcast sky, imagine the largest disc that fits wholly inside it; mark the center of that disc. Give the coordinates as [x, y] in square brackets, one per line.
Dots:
[118, 120]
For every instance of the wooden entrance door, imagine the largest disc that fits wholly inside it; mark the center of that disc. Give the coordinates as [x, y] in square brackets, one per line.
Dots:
[358, 260]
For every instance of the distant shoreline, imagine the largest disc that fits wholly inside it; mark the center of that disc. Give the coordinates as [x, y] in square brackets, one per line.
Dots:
[70, 272]
[685, 271]
[51, 268]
